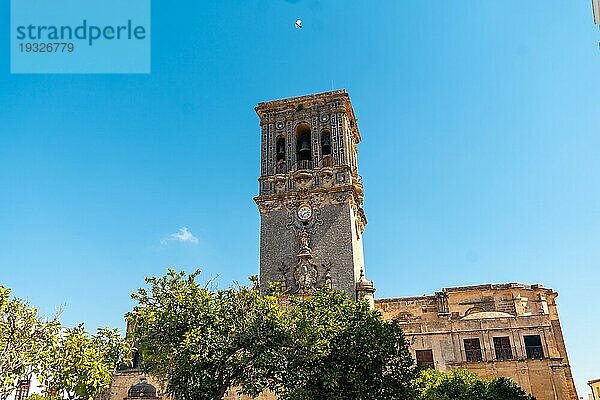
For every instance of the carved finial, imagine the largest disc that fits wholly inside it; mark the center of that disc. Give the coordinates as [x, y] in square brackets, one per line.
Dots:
[328, 283]
[363, 284]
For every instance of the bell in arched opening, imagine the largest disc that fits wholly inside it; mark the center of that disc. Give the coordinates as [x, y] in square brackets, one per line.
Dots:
[304, 148]
[304, 144]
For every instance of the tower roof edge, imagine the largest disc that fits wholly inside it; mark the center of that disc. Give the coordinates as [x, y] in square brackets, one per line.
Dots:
[298, 103]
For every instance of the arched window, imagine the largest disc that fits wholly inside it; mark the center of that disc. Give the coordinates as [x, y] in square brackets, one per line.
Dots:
[303, 145]
[474, 310]
[325, 143]
[280, 148]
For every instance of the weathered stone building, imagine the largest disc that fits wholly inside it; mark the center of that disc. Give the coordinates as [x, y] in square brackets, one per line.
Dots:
[510, 330]
[312, 221]
[131, 384]
[594, 385]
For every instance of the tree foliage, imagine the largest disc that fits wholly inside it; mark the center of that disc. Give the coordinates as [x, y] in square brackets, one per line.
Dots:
[202, 341]
[464, 385]
[341, 349]
[68, 361]
[23, 335]
[77, 365]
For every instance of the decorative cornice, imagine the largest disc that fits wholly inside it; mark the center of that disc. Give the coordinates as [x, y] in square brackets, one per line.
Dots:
[308, 106]
[335, 195]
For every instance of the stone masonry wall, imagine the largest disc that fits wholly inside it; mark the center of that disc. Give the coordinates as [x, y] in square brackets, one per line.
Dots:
[331, 242]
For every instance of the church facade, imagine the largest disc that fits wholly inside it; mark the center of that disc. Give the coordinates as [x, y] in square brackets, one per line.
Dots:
[310, 201]
[312, 222]
[510, 330]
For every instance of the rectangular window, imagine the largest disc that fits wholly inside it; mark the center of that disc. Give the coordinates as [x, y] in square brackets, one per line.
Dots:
[22, 391]
[425, 358]
[503, 348]
[533, 347]
[473, 350]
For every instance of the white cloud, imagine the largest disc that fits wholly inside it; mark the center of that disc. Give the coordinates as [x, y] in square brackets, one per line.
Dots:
[183, 235]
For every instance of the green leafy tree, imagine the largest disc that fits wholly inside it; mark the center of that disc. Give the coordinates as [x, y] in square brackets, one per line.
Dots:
[23, 335]
[202, 342]
[77, 365]
[464, 385]
[341, 349]
[505, 388]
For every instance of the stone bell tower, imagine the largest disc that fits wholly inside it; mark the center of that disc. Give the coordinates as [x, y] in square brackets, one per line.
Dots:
[311, 195]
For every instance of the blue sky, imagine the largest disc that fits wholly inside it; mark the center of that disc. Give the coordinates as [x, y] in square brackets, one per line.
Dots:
[480, 125]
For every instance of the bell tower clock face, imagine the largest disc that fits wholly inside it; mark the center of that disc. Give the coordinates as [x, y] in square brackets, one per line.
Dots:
[304, 212]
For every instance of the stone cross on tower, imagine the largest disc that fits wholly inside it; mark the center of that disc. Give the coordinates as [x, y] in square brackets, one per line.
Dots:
[311, 195]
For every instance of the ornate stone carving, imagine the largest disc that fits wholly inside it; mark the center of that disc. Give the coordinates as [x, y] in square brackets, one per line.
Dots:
[326, 177]
[303, 180]
[267, 205]
[360, 218]
[304, 241]
[280, 184]
[306, 277]
[305, 271]
[284, 285]
[292, 202]
[339, 197]
[315, 199]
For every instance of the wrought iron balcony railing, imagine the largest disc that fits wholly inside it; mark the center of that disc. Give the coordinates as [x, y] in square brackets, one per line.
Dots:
[535, 352]
[504, 353]
[474, 355]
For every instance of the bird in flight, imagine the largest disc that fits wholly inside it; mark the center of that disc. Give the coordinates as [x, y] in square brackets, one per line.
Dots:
[298, 24]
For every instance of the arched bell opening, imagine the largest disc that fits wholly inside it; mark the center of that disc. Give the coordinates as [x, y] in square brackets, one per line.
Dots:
[303, 147]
